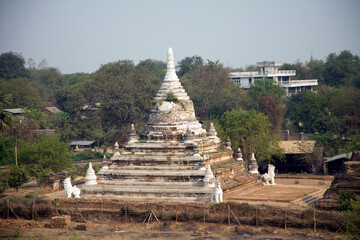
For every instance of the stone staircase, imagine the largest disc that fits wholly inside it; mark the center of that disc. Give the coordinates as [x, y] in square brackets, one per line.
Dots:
[310, 199]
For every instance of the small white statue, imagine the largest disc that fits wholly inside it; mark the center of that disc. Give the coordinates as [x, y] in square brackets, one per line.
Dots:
[71, 190]
[269, 177]
[217, 195]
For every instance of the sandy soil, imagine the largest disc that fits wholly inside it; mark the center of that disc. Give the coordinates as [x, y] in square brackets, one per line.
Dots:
[283, 193]
[162, 230]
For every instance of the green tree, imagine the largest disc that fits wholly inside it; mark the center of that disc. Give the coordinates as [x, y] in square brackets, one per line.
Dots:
[158, 68]
[17, 176]
[307, 110]
[212, 92]
[299, 67]
[189, 64]
[48, 152]
[7, 155]
[12, 65]
[5, 117]
[265, 86]
[342, 70]
[39, 173]
[268, 97]
[76, 78]
[47, 81]
[23, 91]
[273, 108]
[251, 131]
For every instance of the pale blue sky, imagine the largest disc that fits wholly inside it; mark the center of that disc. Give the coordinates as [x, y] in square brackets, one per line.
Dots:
[79, 36]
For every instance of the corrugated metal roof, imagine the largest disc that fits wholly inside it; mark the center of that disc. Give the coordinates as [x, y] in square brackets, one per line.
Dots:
[347, 156]
[82, 143]
[14, 110]
[53, 109]
[298, 147]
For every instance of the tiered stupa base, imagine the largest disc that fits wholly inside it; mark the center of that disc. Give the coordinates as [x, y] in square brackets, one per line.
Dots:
[154, 171]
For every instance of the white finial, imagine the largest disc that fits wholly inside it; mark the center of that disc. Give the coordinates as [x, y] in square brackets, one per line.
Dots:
[170, 59]
[170, 72]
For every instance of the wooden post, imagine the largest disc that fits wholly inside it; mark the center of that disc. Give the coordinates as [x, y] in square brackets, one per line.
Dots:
[32, 210]
[126, 217]
[229, 215]
[7, 208]
[176, 214]
[256, 216]
[314, 220]
[101, 209]
[204, 214]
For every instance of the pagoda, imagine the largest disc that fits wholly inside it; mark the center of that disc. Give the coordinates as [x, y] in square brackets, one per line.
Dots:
[167, 160]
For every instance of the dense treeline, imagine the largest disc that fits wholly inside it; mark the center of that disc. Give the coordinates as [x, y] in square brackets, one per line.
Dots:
[102, 105]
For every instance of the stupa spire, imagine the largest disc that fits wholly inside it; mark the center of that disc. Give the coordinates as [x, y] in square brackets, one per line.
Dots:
[170, 71]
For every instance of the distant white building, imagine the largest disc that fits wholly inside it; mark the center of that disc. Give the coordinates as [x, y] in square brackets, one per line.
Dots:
[271, 70]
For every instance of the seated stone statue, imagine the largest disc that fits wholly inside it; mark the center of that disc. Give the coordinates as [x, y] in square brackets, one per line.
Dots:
[269, 177]
[217, 195]
[71, 190]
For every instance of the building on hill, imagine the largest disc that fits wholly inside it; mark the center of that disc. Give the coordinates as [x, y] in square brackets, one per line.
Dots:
[51, 110]
[335, 164]
[82, 144]
[300, 156]
[271, 70]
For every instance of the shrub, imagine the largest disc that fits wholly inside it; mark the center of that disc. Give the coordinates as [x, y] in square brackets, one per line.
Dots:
[352, 217]
[17, 176]
[344, 200]
[171, 98]
[80, 156]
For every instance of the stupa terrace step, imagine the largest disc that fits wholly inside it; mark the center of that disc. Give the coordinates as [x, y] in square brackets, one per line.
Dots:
[156, 173]
[204, 198]
[132, 183]
[147, 190]
[157, 160]
[173, 167]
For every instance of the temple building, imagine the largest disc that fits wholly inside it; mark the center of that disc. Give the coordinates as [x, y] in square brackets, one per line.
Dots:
[166, 161]
[271, 70]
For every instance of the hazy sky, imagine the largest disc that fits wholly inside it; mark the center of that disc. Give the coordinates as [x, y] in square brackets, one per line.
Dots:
[79, 36]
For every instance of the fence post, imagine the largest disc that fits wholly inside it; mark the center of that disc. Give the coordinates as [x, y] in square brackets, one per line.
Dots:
[176, 213]
[126, 217]
[204, 214]
[314, 220]
[256, 216]
[7, 208]
[32, 209]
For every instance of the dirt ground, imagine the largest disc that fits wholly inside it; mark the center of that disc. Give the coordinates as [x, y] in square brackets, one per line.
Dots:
[27, 229]
[282, 194]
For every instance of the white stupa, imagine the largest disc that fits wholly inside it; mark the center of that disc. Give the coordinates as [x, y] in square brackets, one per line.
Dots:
[253, 166]
[209, 179]
[90, 177]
